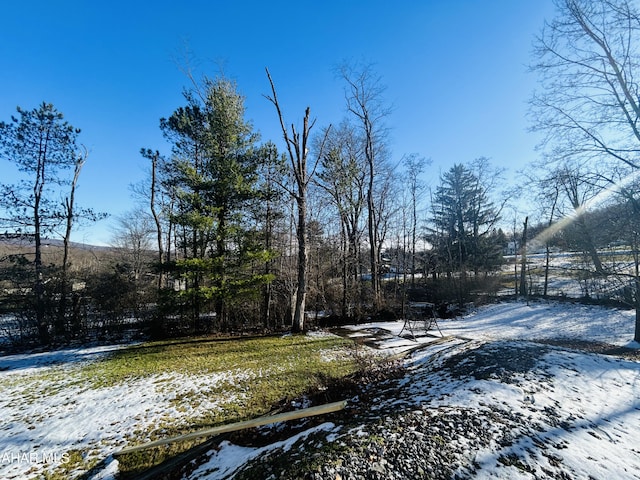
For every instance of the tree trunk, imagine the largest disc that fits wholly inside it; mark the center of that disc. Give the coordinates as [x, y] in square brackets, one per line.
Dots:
[373, 253]
[523, 266]
[156, 217]
[372, 212]
[43, 327]
[297, 149]
[64, 280]
[547, 250]
[636, 336]
[267, 294]
[636, 283]
[515, 257]
[547, 263]
[345, 247]
[414, 224]
[41, 322]
[301, 290]
[221, 253]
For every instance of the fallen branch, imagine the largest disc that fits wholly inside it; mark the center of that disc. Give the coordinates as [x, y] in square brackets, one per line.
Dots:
[232, 427]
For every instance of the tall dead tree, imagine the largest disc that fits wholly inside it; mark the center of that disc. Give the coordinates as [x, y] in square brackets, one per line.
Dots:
[298, 152]
[68, 208]
[154, 212]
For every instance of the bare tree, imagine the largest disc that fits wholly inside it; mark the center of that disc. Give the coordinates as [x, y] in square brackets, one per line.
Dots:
[588, 104]
[132, 238]
[155, 157]
[414, 165]
[342, 177]
[523, 265]
[550, 200]
[568, 193]
[364, 95]
[158, 193]
[297, 148]
[68, 207]
[579, 188]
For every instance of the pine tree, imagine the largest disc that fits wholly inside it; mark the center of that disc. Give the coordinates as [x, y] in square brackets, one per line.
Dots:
[42, 146]
[463, 223]
[213, 172]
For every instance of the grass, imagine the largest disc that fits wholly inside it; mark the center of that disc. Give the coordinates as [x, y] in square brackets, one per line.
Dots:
[73, 459]
[252, 375]
[293, 358]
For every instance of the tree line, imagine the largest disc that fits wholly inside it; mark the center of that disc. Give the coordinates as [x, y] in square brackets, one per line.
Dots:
[232, 233]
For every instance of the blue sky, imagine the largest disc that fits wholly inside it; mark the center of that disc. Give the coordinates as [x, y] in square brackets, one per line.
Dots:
[455, 70]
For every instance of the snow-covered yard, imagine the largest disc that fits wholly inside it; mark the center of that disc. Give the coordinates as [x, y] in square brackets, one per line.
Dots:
[584, 407]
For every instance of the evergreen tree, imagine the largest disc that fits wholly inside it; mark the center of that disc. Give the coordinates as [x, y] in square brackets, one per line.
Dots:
[463, 221]
[213, 172]
[268, 212]
[41, 145]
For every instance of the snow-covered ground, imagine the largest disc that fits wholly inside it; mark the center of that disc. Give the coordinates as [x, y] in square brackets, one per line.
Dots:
[576, 414]
[48, 409]
[515, 321]
[583, 409]
[571, 274]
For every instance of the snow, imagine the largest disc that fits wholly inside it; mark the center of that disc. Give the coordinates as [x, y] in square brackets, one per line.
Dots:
[48, 408]
[30, 363]
[519, 321]
[585, 407]
[586, 411]
[225, 460]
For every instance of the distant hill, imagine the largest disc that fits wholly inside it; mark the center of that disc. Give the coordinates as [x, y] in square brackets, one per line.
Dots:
[14, 240]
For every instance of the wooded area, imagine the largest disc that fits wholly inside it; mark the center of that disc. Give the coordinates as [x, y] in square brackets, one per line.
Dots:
[231, 234]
